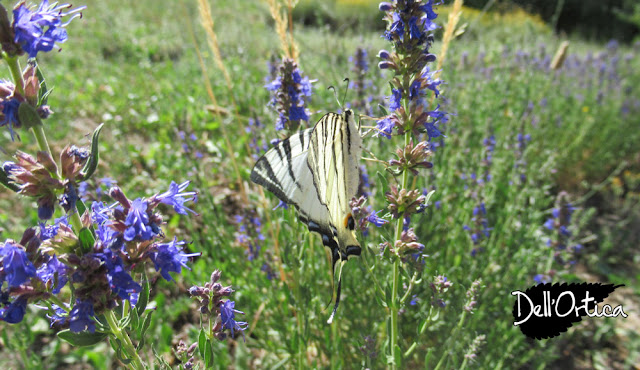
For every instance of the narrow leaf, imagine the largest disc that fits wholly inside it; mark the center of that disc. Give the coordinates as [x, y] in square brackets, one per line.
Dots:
[81, 207]
[146, 324]
[43, 93]
[202, 342]
[208, 355]
[81, 339]
[86, 240]
[143, 297]
[92, 163]
[135, 319]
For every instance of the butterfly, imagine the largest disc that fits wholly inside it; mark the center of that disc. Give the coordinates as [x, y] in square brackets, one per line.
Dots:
[316, 170]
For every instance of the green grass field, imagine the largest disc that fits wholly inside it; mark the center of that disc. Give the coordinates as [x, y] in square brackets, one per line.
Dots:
[135, 67]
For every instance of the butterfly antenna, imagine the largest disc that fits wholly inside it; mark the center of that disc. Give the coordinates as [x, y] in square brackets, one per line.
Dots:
[335, 95]
[346, 88]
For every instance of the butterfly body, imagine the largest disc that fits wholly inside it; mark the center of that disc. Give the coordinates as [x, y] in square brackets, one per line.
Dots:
[317, 171]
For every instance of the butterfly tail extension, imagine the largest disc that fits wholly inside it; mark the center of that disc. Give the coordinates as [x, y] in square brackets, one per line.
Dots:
[335, 307]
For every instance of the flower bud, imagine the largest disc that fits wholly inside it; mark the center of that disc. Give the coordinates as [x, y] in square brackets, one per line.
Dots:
[383, 54]
[385, 64]
[385, 6]
[117, 194]
[215, 276]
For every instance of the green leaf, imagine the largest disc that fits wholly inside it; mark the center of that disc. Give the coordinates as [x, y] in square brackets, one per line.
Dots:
[397, 356]
[4, 179]
[119, 353]
[145, 324]
[202, 342]
[141, 343]
[81, 339]
[92, 163]
[86, 240]
[81, 207]
[28, 116]
[135, 319]
[427, 358]
[429, 195]
[43, 93]
[143, 298]
[383, 181]
[383, 110]
[163, 363]
[208, 355]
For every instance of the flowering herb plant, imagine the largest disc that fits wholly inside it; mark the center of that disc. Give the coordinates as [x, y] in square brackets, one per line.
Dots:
[87, 269]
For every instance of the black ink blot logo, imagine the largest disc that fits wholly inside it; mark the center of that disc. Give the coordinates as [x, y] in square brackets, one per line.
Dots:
[545, 310]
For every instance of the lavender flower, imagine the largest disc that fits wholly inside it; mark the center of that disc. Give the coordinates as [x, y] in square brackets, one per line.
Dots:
[9, 117]
[14, 312]
[228, 314]
[439, 288]
[40, 29]
[138, 224]
[55, 272]
[176, 197]
[169, 257]
[249, 234]
[17, 267]
[374, 219]
[561, 237]
[472, 296]
[474, 348]
[81, 317]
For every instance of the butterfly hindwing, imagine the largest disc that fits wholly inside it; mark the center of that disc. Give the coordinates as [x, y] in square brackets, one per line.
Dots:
[334, 153]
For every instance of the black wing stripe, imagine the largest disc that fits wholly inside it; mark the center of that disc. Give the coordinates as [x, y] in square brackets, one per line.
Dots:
[301, 138]
[286, 145]
[264, 175]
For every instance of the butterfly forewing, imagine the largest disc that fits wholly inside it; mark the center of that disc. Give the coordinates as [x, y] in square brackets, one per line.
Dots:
[284, 171]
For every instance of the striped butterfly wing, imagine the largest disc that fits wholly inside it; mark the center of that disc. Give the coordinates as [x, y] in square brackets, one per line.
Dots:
[334, 154]
[284, 171]
[316, 170]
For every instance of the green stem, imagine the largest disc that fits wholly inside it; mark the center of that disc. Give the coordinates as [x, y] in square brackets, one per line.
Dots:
[395, 304]
[16, 72]
[452, 339]
[74, 218]
[52, 298]
[122, 335]
[41, 138]
[410, 288]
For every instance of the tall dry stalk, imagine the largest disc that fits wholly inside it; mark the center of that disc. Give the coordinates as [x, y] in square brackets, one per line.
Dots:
[449, 32]
[206, 20]
[284, 26]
